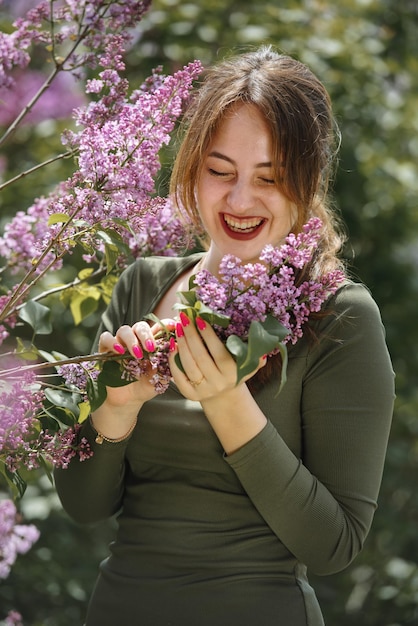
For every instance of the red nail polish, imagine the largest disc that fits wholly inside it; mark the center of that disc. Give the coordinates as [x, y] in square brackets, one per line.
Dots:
[137, 352]
[184, 319]
[200, 323]
[172, 345]
[150, 345]
[118, 348]
[179, 330]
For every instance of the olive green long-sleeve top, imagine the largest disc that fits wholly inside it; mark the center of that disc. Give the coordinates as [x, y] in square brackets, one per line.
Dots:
[213, 540]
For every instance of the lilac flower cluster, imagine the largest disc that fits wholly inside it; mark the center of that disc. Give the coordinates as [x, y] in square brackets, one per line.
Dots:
[155, 365]
[249, 292]
[20, 401]
[121, 137]
[162, 233]
[118, 159]
[22, 441]
[13, 618]
[76, 375]
[15, 538]
[91, 21]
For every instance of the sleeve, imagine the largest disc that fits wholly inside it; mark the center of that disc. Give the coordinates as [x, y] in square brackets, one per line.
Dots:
[92, 490]
[321, 505]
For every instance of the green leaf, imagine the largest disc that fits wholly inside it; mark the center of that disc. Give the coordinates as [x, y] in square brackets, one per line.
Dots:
[111, 256]
[28, 353]
[260, 342]
[58, 218]
[85, 273]
[111, 375]
[188, 298]
[96, 393]
[212, 317]
[274, 327]
[85, 410]
[14, 480]
[178, 362]
[52, 357]
[63, 399]
[37, 316]
[82, 308]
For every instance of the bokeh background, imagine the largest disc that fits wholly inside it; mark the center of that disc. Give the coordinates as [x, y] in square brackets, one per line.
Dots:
[366, 52]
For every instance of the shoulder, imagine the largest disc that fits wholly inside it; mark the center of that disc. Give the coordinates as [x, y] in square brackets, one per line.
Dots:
[353, 299]
[155, 271]
[352, 316]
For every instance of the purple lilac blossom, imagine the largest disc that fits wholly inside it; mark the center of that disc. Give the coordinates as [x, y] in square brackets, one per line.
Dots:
[22, 442]
[76, 375]
[118, 159]
[20, 401]
[13, 618]
[15, 538]
[161, 233]
[156, 364]
[255, 290]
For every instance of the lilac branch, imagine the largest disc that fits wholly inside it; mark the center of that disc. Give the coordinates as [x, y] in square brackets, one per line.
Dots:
[58, 157]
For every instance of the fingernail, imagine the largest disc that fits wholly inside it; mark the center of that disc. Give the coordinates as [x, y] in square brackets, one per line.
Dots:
[184, 319]
[137, 352]
[172, 345]
[264, 356]
[179, 330]
[200, 323]
[150, 345]
[118, 348]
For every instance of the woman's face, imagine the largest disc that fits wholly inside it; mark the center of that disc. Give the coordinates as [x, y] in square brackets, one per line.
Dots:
[241, 207]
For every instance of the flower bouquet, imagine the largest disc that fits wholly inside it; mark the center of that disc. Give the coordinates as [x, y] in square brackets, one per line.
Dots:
[255, 309]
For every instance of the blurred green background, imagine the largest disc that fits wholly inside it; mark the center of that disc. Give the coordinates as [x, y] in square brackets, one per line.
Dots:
[366, 52]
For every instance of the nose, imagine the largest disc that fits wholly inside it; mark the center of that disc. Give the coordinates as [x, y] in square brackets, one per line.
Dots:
[240, 197]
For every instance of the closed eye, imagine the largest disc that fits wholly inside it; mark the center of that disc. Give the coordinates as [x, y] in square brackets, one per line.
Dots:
[213, 172]
[267, 181]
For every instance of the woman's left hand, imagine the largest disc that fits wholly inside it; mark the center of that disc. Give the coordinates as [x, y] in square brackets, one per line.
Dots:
[210, 377]
[209, 369]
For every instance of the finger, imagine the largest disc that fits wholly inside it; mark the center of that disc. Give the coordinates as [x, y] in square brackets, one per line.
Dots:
[144, 335]
[106, 342]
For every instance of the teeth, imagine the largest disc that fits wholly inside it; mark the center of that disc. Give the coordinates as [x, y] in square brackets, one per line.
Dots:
[242, 225]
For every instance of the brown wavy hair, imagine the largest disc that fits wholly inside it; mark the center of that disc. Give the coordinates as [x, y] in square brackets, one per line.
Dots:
[305, 138]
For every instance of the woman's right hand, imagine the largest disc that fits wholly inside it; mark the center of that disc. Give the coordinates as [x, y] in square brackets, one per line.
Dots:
[131, 340]
[118, 413]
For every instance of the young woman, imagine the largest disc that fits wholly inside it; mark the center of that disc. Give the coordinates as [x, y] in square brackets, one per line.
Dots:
[226, 493]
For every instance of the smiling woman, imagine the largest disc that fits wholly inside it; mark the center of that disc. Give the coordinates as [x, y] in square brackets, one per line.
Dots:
[226, 493]
[240, 205]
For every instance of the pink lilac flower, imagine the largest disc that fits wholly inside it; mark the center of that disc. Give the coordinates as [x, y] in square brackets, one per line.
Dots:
[24, 236]
[15, 538]
[154, 365]
[249, 292]
[20, 401]
[13, 618]
[23, 443]
[162, 233]
[118, 160]
[76, 375]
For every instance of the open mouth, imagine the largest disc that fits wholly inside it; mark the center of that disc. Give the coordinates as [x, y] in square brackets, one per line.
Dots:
[246, 226]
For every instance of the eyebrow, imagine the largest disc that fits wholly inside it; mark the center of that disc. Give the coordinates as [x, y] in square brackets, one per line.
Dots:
[219, 155]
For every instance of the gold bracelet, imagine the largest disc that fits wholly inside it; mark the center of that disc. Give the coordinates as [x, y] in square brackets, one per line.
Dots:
[100, 438]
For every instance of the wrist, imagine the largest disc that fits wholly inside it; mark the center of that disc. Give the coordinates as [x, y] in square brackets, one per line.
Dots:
[114, 423]
[100, 437]
[235, 417]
